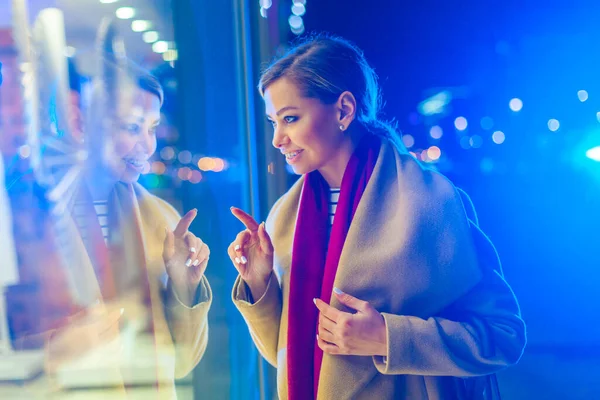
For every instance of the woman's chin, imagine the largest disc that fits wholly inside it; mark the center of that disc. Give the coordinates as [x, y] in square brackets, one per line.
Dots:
[129, 177]
[300, 169]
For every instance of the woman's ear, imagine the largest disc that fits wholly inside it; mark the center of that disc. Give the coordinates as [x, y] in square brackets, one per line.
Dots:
[346, 106]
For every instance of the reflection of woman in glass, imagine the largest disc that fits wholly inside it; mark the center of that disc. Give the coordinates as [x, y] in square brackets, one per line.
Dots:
[368, 280]
[144, 268]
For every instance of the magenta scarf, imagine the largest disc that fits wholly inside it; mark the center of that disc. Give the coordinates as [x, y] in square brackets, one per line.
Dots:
[315, 259]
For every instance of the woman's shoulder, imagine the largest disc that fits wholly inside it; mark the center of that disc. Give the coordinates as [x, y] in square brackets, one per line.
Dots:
[417, 176]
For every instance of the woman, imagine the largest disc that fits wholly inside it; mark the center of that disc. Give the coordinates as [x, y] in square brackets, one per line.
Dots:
[409, 298]
[138, 264]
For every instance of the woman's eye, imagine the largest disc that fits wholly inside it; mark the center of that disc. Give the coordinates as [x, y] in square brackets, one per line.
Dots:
[132, 128]
[290, 119]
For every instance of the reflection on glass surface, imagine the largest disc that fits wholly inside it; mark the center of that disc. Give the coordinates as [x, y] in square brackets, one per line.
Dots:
[111, 295]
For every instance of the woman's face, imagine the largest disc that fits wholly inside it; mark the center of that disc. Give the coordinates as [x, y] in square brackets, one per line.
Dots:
[134, 136]
[307, 131]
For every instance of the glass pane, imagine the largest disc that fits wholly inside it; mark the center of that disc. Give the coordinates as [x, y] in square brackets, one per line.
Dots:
[118, 119]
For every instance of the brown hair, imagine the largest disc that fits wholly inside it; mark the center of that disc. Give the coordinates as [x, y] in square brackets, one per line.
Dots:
[324, 66]
[146, 81]
[138, 76]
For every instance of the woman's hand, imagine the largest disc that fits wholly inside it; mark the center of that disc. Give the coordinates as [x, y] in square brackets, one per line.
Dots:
[252, 254]
[186, 258]
[83, 332]
[361, 334]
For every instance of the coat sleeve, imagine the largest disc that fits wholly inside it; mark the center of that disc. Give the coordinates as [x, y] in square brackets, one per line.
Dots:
[479, 334]
[262, 316]
[189, 327]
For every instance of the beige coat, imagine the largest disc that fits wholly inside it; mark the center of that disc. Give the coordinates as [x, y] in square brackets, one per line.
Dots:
[180, 332]
[409, 252]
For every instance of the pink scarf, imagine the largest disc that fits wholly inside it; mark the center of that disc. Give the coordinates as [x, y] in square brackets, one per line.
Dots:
[315, 259]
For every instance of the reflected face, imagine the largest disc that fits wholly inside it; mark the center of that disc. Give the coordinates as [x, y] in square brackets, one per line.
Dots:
[134, 135]
[306, 131]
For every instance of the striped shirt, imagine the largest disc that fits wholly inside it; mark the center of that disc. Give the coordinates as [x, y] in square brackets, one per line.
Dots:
[334, 197]
[101, 209]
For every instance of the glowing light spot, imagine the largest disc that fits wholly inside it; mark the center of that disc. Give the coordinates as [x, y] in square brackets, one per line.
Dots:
[167, 153]
[158, 167]
[150, 36]
[516, 104]
[185, 157]
[140, 25]
[219, 165]
[436, 132]
[196, 177]
[170, 55]
[460, 123]
[582, 95]
[298, 9]
[408, 140]
[206, 164]
[160, 47]
[24, 151]
[498, 137]
[434, 153]
[266, 4]
[475, 141]
[487, 123]
[295, 21]
[125, 12]
[593, 153]
[184, 173]
[465, 142]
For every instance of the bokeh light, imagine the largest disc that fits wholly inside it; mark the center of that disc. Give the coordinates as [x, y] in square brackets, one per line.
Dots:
[461, 123]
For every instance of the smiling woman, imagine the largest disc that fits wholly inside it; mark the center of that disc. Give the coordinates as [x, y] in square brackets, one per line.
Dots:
[368, 279]
[134, 136]
[147, 266]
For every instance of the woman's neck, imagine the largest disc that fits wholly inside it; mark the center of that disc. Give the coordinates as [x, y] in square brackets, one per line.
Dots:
[99, 184]
[333, 172]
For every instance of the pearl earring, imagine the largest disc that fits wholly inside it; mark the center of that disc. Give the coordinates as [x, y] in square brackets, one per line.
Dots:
[342, 127]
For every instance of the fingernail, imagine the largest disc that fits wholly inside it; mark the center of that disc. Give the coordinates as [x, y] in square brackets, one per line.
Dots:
[315, 301]
[196, 263]
[337, 291]
[244, 260]
[188, 262]
[237, 260]
[237, 247]
[192, 249]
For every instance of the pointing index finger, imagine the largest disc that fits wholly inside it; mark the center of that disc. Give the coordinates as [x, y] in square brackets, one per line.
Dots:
[185, 222]
[245, 219]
